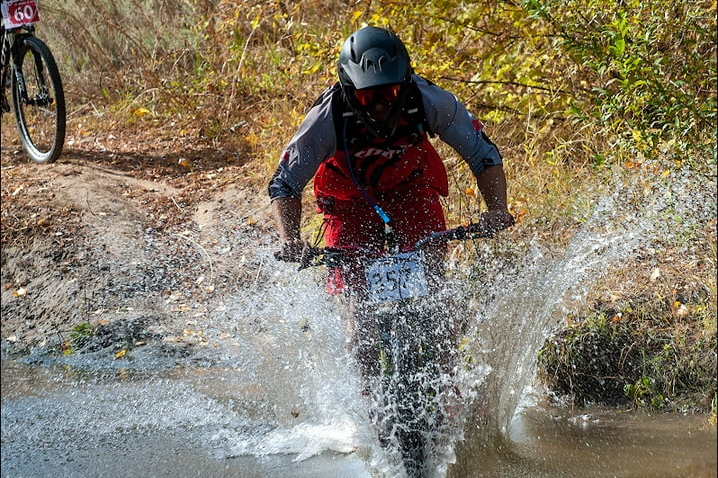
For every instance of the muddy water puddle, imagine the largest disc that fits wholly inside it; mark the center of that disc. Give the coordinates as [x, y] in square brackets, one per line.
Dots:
[553, 442]
[217, 423]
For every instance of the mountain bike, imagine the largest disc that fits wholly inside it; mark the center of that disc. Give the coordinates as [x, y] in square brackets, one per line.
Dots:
[29, 69]
[414, 389]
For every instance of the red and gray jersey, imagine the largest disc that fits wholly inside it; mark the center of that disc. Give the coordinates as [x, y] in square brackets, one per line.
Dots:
[316, 141]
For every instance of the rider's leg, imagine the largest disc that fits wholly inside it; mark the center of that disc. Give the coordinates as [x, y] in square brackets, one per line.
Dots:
[363, 341]
[355, 227]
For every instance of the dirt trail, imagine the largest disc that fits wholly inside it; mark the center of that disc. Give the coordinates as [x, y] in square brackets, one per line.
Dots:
[122, 239]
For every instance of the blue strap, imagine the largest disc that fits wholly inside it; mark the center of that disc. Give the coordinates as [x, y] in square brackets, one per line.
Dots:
[384, 217]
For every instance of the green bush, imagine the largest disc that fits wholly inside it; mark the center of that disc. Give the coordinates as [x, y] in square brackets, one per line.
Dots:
[626, 362]
[652, 66]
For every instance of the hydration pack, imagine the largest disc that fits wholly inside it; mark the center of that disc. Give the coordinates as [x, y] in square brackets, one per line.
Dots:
[379, 164]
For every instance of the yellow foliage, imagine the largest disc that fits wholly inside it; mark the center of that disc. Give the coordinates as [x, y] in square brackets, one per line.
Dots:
[141, 112]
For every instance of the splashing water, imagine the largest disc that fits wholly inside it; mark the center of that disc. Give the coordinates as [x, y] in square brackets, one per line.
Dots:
[532, 298]
[279, 380]
[288, 338]
[295, 338]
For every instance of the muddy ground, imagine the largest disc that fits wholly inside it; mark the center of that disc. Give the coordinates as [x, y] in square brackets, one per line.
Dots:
[127, 235]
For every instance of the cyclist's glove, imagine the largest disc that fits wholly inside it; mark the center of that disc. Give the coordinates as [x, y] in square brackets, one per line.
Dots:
[291, 251]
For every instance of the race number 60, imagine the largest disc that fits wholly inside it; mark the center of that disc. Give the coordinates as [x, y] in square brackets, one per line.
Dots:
[22, 12]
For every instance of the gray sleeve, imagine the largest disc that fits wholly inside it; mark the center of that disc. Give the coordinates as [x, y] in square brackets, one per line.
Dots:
[458, 128]
[314, 141]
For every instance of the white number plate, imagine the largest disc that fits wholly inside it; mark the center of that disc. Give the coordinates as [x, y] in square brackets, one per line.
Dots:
[400, 276]
[19, 12]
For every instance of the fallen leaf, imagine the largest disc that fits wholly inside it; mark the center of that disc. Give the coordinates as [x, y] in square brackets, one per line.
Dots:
[120, 354]
[682, 311]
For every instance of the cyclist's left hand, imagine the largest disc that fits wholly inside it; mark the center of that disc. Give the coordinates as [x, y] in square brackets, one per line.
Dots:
[497, 220]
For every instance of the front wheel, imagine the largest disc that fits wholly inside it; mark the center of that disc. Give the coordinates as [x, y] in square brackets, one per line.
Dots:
[410, 380]
[39, 101]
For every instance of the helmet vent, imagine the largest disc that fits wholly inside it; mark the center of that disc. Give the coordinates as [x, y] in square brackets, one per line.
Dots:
[353, 52]
[373, 57]
[375, 65]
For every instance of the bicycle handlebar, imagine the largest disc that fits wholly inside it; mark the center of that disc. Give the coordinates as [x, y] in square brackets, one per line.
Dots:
[334, 257]
[476, 230]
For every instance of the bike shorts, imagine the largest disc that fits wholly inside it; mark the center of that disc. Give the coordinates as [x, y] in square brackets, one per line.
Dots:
[414, 213]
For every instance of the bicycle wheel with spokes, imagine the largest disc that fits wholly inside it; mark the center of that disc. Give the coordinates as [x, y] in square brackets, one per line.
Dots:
[39, 101]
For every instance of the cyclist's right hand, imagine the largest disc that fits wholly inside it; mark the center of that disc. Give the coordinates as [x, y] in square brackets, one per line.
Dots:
[291, 250]
[496, 220]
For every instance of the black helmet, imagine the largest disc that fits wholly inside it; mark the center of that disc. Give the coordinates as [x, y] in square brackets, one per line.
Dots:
[369, 58]
[373, 57]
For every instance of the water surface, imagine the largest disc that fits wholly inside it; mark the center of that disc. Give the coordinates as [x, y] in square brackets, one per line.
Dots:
[199, 423]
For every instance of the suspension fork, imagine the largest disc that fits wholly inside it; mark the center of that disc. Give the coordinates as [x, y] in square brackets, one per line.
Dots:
[17, 71]
[19, 77]
[6, 65]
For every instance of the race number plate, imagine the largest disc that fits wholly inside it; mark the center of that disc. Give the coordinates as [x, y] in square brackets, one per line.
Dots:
[18, 13]
[400, 276]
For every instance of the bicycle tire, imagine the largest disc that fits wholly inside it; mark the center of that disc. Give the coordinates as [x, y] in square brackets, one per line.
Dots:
[39, 113]
[404, 388]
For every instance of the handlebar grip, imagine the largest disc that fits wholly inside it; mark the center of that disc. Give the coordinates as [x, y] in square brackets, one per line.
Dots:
[480, 229]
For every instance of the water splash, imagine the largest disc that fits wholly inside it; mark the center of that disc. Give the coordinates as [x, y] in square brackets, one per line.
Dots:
[526, 302]
[276, 378]
[291, 335]
[289, 338]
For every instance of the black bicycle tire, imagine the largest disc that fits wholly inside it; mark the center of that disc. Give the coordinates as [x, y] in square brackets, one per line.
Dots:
[30, 43]
[401, 387]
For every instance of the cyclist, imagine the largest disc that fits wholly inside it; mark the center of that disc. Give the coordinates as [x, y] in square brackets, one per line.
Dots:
[365, 142]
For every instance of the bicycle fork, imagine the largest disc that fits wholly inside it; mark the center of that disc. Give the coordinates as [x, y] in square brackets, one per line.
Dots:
[6, 67]
[42, 98]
